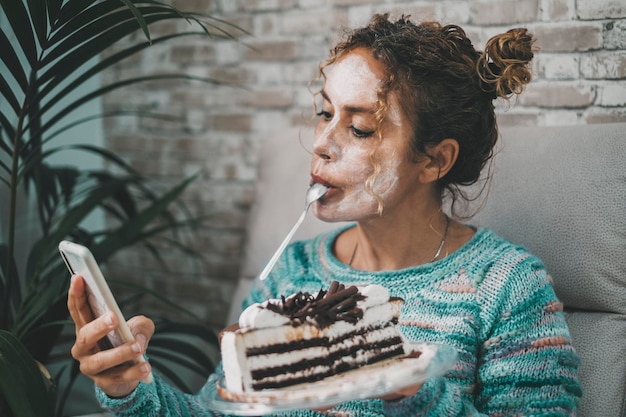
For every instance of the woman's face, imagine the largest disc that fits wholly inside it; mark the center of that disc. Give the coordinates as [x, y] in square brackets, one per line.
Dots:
[345, 139]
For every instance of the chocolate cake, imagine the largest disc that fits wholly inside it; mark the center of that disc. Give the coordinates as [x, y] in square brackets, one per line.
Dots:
[305, 338]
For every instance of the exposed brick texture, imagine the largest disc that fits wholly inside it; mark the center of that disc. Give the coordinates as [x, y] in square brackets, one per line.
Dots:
[214, 130]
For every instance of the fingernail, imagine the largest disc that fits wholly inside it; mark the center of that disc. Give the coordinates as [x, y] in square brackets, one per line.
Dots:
[108, 318]
[136, 348]
[145, 367]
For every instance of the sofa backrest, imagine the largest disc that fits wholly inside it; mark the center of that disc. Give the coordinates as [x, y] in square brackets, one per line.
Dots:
[559, 191]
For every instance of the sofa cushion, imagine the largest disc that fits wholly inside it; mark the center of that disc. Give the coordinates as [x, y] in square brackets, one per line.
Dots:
[600, 340]
[561, 192]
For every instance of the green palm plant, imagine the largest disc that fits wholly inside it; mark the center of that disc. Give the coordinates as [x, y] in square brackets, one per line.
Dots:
[56, 49]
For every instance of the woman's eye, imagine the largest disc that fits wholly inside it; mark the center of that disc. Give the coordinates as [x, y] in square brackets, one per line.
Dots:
[361, 133]
[326, 115]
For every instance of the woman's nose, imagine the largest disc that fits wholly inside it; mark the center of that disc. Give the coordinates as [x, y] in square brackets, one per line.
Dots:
[325, 146]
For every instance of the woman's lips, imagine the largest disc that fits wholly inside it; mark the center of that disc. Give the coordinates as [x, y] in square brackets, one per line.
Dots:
[320, 180]
[331, 188]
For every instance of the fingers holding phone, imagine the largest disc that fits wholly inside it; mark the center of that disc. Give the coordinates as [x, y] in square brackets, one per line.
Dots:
[117, 370]
[108, 350]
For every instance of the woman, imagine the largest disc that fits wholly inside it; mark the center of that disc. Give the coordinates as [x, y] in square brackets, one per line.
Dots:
[406, 116]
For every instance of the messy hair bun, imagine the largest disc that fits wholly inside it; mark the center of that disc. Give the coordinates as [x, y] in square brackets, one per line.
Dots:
[503, 65]
[444, 86]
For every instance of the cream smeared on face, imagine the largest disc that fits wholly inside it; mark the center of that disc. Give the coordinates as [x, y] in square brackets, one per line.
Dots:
[351, 100]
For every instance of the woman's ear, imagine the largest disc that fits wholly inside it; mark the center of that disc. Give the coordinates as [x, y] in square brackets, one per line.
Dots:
[440, 159]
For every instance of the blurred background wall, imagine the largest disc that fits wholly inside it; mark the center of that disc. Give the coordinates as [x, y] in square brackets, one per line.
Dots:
[579, 78]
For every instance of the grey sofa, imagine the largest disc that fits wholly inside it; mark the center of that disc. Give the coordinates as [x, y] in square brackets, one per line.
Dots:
[560, 191]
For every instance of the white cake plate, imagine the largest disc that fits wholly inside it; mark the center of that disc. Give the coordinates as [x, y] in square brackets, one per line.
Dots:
[369, 381]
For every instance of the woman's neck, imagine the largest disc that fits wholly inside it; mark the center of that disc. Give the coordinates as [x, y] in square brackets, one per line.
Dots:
[386, 244]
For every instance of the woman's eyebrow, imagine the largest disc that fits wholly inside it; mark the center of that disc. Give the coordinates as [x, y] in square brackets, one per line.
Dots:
[350, 108]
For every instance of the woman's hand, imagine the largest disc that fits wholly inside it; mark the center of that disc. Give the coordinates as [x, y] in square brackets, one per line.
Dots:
[112, 370]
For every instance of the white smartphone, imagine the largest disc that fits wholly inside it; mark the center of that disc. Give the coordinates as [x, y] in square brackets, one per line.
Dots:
[80, 261]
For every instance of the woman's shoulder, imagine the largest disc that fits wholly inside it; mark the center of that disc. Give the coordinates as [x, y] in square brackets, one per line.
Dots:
[493, 247]
[507, 266]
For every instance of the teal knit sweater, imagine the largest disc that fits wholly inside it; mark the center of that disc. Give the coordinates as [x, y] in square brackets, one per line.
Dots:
[491, 300]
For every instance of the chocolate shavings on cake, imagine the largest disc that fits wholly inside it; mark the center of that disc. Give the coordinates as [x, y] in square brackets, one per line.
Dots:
[327, 307]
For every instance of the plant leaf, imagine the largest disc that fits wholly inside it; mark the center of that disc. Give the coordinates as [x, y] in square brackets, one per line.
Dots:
[139, 17]
[10, 59]
[96, 35]
[6, 168]
[97, 68]
[7, 94]
[21, 382]
[9, 132]
[10, 290]
[74, 371]
[42, 249]
[130, 232]
[83, 15]
[20, 23]
[38, 13]
[65, 196]
[54, 9]
[71, 9]
[39, 301]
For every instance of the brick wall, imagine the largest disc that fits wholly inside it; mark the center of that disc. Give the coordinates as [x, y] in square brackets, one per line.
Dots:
[580, 77]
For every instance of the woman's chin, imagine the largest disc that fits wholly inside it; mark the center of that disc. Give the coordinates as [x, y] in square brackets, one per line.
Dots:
[326, 214]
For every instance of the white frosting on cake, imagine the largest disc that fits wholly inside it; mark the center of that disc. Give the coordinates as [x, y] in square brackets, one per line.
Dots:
[374, 294]
[258, 316]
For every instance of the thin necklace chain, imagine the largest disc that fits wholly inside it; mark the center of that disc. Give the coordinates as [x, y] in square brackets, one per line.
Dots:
[356, 246]
[437, 253]
[443, 240]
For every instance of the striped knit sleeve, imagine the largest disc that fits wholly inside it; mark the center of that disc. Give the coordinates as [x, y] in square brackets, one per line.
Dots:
[528, 365]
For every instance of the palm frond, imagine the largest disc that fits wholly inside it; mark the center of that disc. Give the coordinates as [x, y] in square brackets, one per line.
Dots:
[18, 19]
[50, 49]
[21, 383]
